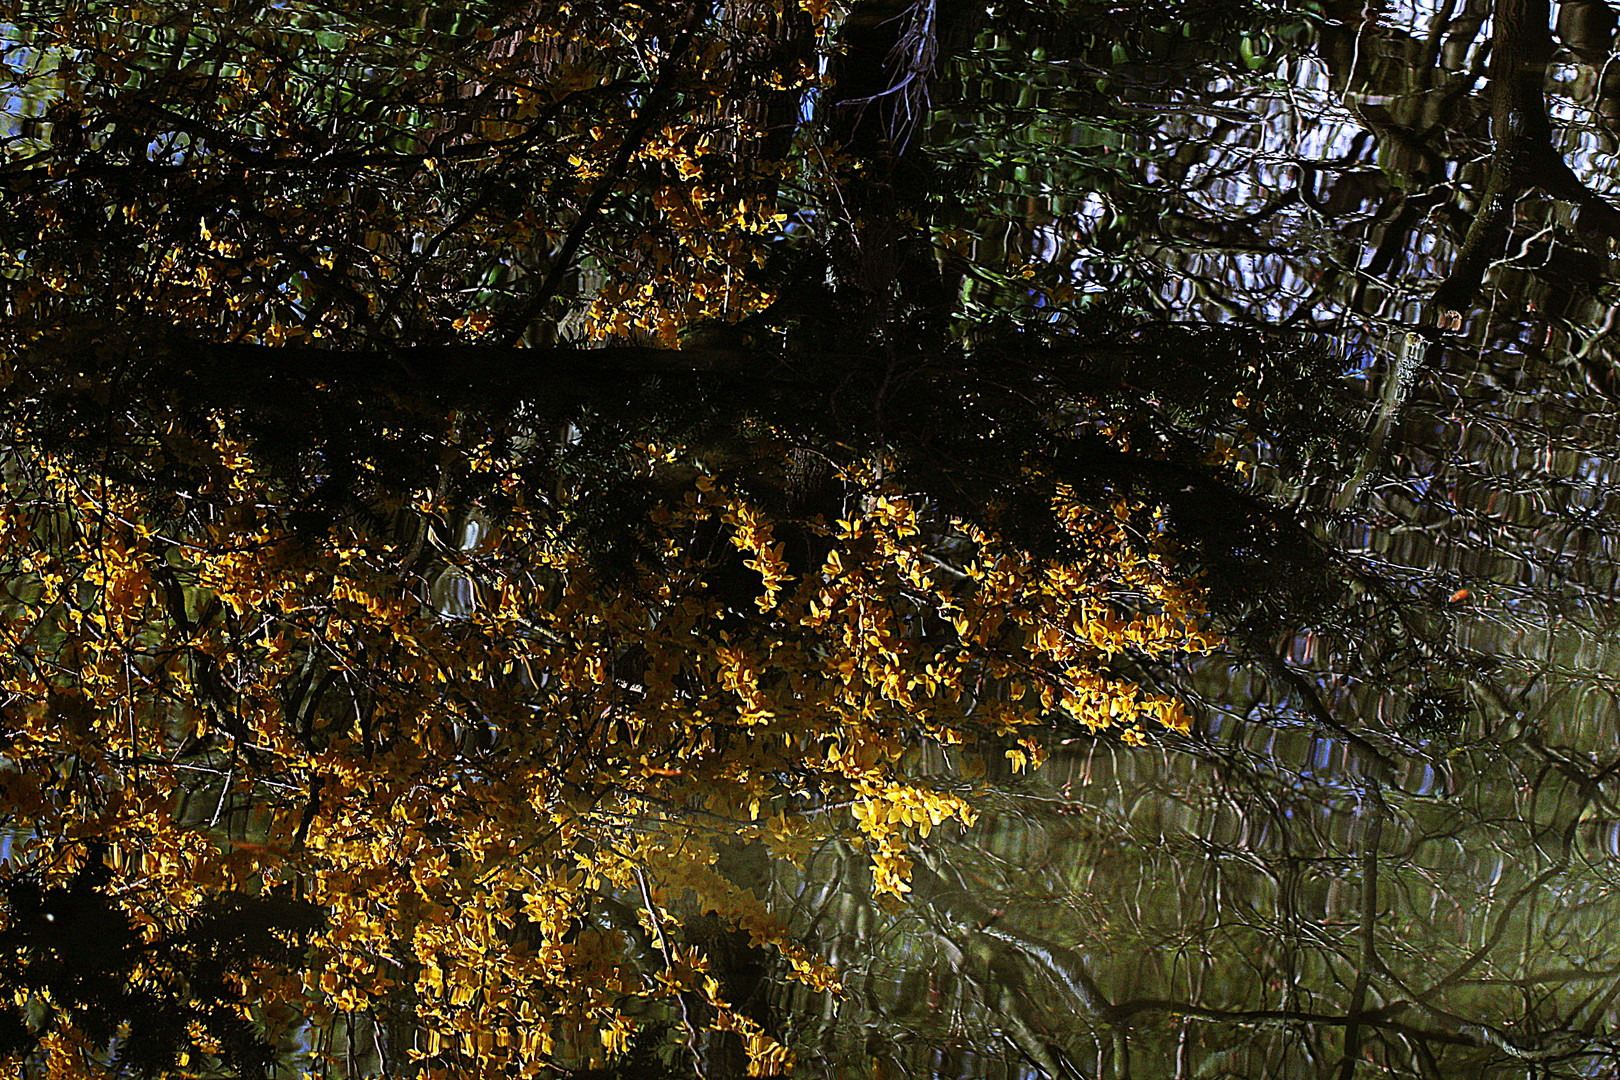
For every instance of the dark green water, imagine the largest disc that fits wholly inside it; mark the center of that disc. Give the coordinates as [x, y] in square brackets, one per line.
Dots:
[1391, 847]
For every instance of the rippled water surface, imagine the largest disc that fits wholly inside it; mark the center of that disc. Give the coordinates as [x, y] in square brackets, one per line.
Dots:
[1390, 842]
[1391, 845]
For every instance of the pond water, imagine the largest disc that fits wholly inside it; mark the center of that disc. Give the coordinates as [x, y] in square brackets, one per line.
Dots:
[1390, 842]
[1389, 847]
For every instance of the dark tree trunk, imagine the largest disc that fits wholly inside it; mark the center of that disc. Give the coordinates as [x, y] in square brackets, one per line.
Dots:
[1524, 157]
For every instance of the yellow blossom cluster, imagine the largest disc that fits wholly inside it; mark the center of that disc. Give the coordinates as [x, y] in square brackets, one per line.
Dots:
[478, 796]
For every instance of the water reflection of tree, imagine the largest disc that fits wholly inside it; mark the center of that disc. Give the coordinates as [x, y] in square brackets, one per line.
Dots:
[891, 367]
[1229, 907]
[1386, 842]
[1390, 842]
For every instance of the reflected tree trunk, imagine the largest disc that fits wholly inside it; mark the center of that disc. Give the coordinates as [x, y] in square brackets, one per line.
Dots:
[1524, 155]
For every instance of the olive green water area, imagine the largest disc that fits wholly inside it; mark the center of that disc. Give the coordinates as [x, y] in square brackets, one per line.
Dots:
[1391, 846]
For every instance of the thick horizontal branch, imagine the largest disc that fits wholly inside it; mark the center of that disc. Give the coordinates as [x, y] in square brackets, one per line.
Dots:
[264, 379]
[459, 366]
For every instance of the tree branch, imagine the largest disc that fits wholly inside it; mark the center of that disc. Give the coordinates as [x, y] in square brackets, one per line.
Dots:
[514, 326]
[1524, 157]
